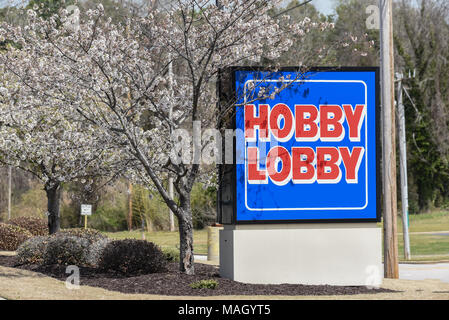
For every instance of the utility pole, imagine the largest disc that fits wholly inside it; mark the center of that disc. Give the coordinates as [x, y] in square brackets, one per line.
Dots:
[391, 268]
[9, 191]
[403, 167]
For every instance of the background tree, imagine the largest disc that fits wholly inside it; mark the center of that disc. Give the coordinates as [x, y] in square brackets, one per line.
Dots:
[38, 138]
[48, 8]
[350, 24]
[422, 45]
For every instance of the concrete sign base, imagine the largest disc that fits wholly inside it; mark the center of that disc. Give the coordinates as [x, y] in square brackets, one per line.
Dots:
[346, 254]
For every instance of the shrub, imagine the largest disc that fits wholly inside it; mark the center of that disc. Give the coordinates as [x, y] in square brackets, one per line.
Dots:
[171, 255]
[95, 251]
[110, 218]
[90, 235]
[203, 202]
[69, 214]
[149, 208]
[36, 226]
[11, 237]
[32, 251]
[61, 248]
[65, 249]
[31, 203]
[204, 284]
[132, 257]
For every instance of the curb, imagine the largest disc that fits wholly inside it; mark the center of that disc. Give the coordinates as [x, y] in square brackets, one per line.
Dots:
[424, 262]
[200, 257]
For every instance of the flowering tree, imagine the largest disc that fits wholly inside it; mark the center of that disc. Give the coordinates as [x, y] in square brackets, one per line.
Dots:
[38, 137]
[118, 79]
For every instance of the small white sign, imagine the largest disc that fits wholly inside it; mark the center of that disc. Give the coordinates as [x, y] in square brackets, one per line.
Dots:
[86, 209]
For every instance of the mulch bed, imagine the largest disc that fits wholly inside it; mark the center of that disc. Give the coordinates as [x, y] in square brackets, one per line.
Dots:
[174, 283]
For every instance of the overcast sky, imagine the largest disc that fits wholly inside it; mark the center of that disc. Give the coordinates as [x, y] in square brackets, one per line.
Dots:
[325, 6]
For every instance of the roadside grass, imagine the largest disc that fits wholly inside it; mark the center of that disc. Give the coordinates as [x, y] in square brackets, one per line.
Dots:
[427, 222]
[165, 239]
[428, 246]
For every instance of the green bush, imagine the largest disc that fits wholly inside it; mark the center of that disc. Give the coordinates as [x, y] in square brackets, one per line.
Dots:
[32, 251]
[171, 255]
[65, 249]
[11, 237]
[204, 284]
[69, 215]
[203, 203]
[36, 226]
[31, 202]
[95, 251]
[149, 207]
[109, 217]
[61, 248]
[132, 257]
[90, 235]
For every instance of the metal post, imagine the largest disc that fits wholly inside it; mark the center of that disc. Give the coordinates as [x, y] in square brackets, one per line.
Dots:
[391, 268]
[403, 168]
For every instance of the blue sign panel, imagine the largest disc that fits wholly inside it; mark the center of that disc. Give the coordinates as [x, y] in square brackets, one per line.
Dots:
[309, 151]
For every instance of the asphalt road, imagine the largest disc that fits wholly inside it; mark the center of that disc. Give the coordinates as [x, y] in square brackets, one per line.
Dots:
[438, 271]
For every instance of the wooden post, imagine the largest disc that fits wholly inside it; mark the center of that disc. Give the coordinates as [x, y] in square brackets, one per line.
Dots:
[389, 145]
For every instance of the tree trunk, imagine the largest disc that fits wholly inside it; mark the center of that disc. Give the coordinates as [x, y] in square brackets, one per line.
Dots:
[53, 200]
[186, 240]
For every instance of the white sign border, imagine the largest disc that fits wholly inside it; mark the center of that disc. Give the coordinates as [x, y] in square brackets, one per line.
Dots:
[366, 152]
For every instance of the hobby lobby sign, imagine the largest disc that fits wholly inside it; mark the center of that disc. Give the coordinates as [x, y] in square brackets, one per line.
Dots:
[310, 151]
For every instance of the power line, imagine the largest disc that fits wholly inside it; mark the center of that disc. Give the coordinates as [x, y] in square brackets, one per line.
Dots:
[292, 8]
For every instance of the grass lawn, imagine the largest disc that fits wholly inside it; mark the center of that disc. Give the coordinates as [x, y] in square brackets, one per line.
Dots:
[165, 239]
[427, 222]
[426, 246]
